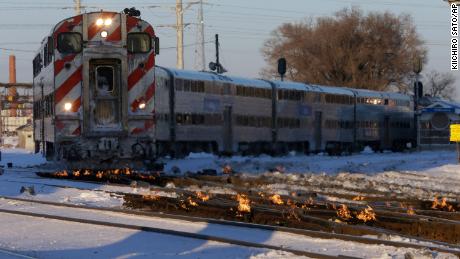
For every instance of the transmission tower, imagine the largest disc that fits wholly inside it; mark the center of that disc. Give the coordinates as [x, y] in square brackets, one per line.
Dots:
[180, 34]
[200, 60]
[77, 6]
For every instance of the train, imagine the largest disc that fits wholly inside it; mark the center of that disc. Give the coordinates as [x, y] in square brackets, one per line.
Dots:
[99, 97]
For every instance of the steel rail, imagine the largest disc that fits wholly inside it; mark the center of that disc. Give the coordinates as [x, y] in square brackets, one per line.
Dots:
[174, 233]
[15, 254]
[448, 248]
[380, 210]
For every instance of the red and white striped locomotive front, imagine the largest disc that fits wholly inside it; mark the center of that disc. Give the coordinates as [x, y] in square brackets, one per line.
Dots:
[104, 87]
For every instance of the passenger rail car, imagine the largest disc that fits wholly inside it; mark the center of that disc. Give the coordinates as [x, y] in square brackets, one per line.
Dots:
[203, 111]
[98, 96]
[94, 88]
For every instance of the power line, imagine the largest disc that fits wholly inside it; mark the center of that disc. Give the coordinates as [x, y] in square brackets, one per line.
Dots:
[187, 45]
[389, 3]
[18, 50]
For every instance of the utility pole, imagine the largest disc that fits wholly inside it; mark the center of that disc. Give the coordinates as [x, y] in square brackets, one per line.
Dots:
[180, 34]
[216, 66]
[200, 49]
[418, 92]
[77, 6]
[219, 67]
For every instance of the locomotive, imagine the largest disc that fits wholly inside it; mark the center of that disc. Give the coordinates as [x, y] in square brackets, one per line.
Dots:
[93, 88]
[99, 96]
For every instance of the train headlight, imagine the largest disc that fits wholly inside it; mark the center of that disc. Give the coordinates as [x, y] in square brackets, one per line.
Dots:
[104, 34]
[99, 22]
[108, 22]
[67, 107]
[141, 106]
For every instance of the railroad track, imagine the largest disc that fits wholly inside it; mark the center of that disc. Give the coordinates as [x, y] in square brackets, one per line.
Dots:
[317, 219]
[304, 232]
[12, 254]
[186, 234]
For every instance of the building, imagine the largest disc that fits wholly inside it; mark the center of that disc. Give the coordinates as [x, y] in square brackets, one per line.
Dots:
[434, 123]
[25, 137]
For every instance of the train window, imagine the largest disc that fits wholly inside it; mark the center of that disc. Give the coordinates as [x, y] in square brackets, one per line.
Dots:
[227, 89]
[179, 118]
[187, 118]
[45, 55]
[200, 86]
[105, 79]
[69, 42]
[178, 84]
[318, 97]
[37, 64]
[239, 90]
[138, 42]
[187, 85]
[50, 47]
[298, 95]
[197, 119]
[193, 86]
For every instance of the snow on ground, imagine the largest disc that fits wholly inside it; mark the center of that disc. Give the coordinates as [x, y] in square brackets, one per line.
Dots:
[294, 241]
[422, 175]
[20, 157]
[46, 238]
[368, 163]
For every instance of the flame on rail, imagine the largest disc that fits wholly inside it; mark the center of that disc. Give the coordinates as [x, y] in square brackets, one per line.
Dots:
[244, 203]
[98, 174]
[367, 214]
[203, 197]
[151, 197]
[442, 205]
[276, 199]
[191, 202]
[358, 198]
[410, 210]
[343, 212]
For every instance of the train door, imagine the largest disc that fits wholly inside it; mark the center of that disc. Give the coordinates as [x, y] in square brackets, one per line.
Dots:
[318, 130]
[386, 132]
[105, 95]
[228, 130]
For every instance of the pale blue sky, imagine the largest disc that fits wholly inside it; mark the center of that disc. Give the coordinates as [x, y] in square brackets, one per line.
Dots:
[243, 26]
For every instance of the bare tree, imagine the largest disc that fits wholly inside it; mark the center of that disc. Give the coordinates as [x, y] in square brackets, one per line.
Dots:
[440, 85]
[349, 49]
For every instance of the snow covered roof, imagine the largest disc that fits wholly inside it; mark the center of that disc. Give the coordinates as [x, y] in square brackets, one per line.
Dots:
[211, 76]
[368, 93]
[398, 96]
[292, 85]
[442, 106]
[333, 90]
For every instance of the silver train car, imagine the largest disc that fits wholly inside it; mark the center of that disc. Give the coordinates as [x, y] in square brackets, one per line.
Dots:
[203, 111]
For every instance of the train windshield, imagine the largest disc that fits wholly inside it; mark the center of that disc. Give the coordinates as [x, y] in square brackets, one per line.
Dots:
[105, 77]
[69, 42]
[139, 42]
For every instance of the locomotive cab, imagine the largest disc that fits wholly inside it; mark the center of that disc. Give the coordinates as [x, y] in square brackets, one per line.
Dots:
[98, 86]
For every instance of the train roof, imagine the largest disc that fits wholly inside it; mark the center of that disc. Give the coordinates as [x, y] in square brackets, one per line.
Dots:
[333, 90]
[400, 96]
[293, 86]
[211, 76]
